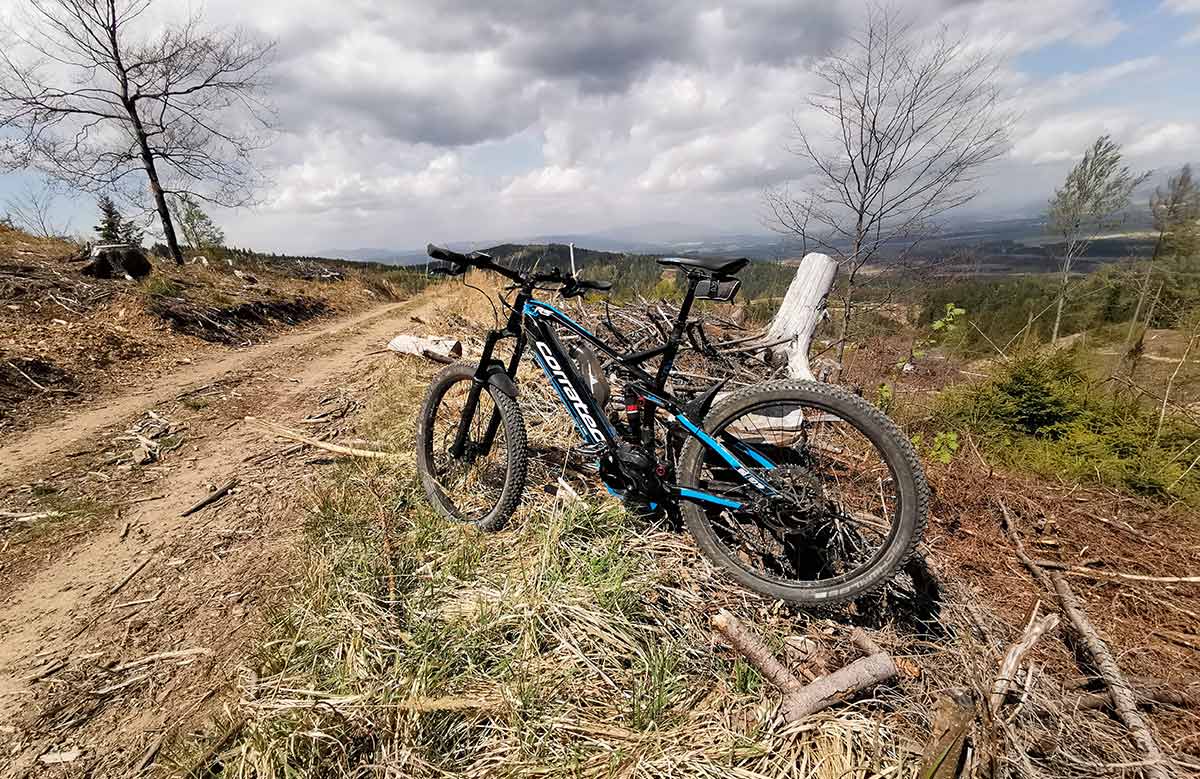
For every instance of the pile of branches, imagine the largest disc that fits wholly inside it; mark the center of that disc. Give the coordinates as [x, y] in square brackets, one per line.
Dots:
[717, 347]
[51, 286]
[234, 324]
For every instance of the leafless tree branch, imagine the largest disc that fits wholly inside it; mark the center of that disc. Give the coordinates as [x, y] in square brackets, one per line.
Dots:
[915, 121]
[90, 95]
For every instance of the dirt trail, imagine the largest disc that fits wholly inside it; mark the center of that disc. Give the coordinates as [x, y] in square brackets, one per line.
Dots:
[36, 446]
[203, 575]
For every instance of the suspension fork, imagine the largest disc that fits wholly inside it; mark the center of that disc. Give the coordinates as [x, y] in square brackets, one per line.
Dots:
[480, 381]
[494, 423]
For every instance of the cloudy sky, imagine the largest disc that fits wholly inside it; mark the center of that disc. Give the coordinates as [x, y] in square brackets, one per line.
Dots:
[474, 120]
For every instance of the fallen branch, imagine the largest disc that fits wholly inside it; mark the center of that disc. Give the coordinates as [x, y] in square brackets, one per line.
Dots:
[28, 378]
[211, 497]
[130, 575]
[47, 670]
[296, 435]
[751, 646]
[823, 692]
[140, 602]
[127, 683]
[801, 700]
[1093, 573]
[162, 656]
[1146, 696]
[1012, 659]
[1124, 703]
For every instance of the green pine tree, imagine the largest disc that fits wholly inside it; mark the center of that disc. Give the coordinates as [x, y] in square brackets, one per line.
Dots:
[110, 228]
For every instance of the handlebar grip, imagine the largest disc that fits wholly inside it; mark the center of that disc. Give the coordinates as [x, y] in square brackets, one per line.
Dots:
[576, 287]
[439, 253]
[446, 268]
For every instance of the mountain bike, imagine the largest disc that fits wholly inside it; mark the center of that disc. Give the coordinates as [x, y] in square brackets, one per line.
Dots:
[801, 490]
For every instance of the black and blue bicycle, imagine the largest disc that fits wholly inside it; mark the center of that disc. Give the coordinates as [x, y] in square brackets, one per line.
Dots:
[801, 490]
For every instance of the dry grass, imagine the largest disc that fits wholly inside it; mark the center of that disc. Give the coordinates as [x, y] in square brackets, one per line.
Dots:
[577, 642]
[574, 644]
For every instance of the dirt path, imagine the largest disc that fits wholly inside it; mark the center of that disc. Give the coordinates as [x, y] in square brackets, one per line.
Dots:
[36, 446]
[148, 580]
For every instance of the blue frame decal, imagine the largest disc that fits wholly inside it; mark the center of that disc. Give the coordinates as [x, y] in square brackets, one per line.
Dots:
[727, 456]
[531, 310]
[688, 492]
[755, 455]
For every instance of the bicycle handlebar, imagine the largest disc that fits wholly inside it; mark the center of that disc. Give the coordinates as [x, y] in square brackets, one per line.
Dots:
[451, 263]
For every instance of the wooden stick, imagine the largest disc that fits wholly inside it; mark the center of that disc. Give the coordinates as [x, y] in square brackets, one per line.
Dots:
[1010, 524]
[800, 700]
[824, 692]
[1093, 573]
[145, 499]
[751, 646]
[295, 435]
[1146, 696]
[1124, 703]
[141, 602]
[162, 656]
[130, 575]
[1012, 659]
[28, 378]
[47, 670]
[211, 497]
[128, 682]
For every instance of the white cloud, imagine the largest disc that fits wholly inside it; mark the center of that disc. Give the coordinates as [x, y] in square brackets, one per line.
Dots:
[1064, 138]
[462, 119]
[1166, 138]
[1185, 7]
[550, 181]
[1035, 96]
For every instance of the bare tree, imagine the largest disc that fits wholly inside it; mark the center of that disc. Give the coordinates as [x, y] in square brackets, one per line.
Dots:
[1092, 199]
[915, 120]
[1176, 215]
[32, 210]
[91, 92]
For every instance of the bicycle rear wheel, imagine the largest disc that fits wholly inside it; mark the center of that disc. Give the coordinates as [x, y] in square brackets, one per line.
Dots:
[852, 501]
[484, 484]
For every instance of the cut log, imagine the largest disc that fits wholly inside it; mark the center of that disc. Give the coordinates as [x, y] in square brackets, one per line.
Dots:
[801, 311]
[434, 348]
[864, 673]
[802, 700]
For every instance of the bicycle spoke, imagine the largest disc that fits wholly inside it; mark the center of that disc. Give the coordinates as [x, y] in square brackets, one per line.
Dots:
[835, 511]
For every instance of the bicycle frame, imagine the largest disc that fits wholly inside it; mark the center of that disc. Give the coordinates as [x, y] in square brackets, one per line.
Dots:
[534, 318]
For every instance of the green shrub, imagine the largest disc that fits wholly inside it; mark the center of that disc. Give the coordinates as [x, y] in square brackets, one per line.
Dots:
[1039, 412]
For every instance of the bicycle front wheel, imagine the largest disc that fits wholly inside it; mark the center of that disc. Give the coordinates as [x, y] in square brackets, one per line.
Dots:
[852, 500]
[484, 482]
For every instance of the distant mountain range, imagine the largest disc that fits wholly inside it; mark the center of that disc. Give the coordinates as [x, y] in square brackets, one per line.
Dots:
[668, 238]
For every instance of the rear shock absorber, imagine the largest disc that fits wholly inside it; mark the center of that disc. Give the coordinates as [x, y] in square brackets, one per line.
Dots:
[633, 412]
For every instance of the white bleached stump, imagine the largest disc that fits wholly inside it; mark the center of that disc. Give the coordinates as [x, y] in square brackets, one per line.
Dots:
[801, 311]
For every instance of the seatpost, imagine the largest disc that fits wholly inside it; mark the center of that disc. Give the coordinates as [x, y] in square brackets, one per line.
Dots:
[668, 359]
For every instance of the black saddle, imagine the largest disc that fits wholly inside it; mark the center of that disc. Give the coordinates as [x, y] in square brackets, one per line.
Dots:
[715, 265]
